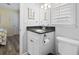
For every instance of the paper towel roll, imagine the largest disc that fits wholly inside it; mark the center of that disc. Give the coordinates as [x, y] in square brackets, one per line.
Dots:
[46, 41]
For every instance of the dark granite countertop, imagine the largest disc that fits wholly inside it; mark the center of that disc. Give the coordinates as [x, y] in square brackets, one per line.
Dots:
[40, 30]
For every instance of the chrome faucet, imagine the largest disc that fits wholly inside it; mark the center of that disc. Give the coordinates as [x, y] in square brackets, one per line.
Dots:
[43, 27]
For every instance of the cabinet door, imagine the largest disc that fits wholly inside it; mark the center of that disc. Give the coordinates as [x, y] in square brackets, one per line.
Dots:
[33, 43]
[63, 13]
[31, 46]
[51, 43]
[48, 46]
[30, 42]
[36, 46]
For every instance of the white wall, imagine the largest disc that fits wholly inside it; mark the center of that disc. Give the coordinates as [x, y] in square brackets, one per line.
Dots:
[24, 22]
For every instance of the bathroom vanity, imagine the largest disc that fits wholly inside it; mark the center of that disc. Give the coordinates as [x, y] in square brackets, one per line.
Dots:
[40, 40]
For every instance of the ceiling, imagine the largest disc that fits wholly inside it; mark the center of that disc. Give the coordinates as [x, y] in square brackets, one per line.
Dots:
[14, 6]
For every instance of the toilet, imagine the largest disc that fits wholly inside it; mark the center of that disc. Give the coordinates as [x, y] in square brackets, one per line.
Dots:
[67, 46]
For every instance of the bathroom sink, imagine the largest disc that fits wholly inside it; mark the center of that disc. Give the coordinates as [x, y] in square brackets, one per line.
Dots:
[40, 29]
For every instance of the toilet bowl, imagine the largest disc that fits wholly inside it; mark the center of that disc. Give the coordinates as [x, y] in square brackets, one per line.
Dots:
[67, 46]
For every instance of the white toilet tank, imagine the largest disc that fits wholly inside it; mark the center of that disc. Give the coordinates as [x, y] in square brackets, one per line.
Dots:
[67, 46]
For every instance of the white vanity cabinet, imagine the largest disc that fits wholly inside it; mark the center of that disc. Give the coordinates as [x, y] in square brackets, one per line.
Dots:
[44, 17]
[36, 44]
[63, 13]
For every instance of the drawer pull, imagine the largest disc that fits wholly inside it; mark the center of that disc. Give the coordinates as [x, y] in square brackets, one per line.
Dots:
[31, 40]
